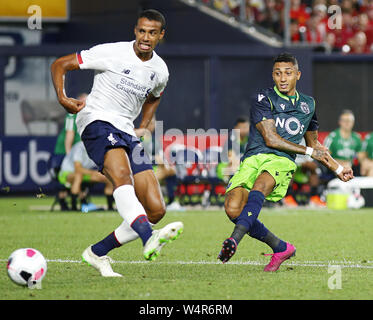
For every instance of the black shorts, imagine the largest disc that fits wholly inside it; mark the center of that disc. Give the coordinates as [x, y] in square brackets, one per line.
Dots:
[101, 136]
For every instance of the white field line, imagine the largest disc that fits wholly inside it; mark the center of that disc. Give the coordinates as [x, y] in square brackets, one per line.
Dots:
[314, 264]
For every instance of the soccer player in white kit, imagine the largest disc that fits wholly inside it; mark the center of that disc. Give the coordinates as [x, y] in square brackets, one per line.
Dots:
[130, 78]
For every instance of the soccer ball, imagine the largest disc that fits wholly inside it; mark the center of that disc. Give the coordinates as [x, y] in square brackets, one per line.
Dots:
[26, 267]
[355, 201]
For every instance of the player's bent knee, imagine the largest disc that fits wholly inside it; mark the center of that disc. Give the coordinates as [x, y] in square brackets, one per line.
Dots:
[156, 215]
[232, 209]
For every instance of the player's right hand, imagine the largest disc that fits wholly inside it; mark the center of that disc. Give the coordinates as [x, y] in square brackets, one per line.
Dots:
[346, 175]
[72, 105]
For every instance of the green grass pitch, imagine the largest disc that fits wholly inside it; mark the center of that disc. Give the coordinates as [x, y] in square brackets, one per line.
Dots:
[187, 268]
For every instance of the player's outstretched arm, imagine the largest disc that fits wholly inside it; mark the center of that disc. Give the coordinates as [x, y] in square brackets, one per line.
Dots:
[317, 151]
[321, 154]
[58, 70]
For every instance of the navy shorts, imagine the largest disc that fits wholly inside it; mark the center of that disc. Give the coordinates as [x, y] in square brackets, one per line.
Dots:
[101, 136]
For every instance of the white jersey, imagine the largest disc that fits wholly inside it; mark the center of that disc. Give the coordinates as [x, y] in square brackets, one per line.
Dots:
[78, 153]
[121, 84]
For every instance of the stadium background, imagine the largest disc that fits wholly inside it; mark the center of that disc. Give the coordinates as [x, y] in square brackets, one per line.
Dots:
[214, 68]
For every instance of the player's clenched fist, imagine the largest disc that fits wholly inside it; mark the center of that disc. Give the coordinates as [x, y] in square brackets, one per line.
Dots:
[72, 105]
[346, 175]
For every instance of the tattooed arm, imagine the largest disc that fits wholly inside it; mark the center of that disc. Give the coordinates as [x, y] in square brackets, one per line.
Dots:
[273, 140]
[325, 158]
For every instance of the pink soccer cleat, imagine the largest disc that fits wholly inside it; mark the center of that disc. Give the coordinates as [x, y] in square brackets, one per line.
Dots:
[279, 257]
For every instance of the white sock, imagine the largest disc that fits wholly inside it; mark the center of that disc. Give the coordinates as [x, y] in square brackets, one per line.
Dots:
[129, 207]
[124, 233]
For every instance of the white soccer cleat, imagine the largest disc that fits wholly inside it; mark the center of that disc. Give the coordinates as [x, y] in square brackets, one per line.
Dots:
[160, 237]
[102, 264]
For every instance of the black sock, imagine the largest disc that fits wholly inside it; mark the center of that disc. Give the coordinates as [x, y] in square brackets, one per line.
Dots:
[238, 233]
[102, 247]
[63, 204]
[248, 215]
[74, 198]
[110, 201]
[171, 184]
[260, 232]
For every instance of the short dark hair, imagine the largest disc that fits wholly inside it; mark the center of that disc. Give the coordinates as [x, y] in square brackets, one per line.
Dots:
[242, 119]
[286, 57]
[153, 15]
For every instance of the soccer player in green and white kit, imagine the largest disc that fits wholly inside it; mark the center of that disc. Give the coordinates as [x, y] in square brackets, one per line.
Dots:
[280, 117]
[343, 143]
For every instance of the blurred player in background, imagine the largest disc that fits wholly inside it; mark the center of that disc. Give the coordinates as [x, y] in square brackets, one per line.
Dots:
[77, 168]
[130, 78]
[235, 147]
[344, 144]
[280, 117]
[66, 139]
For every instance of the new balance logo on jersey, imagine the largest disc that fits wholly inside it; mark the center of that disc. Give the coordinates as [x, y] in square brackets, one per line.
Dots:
[152, 76]
[260, 97]
[126, 71]
[112, 140]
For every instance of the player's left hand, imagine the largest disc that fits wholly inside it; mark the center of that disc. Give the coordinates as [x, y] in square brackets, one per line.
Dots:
[140, 132]
[346, 175]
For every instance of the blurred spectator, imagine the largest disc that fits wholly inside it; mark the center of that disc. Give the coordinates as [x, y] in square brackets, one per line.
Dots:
[295, 34]
[269, 18]
[358, 43]
[366, 161]
[299, 11]
[329, 42]
[315, 32]
[346, 32]
[369, 11]
[322, 12]
[319, 8]
[309, 21]
[363, 24]
[333, 2]
[347, 6]
[227, 6]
